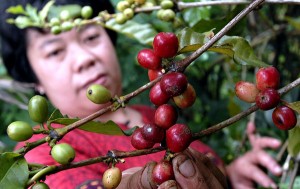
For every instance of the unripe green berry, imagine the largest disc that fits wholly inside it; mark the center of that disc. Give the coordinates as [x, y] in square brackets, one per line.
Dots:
[120, 18]
[19, 131]
[168, 15]
[159, 13]
[167, 4]
[64, 15]
[40, 185]
[128, 13]
[122, 5]
[98, 94]
[38, 109]
[54, 22]
[130, 1]
[63, 153]
[86, 12]
[55, 30]
[67, 26]
[77, 21]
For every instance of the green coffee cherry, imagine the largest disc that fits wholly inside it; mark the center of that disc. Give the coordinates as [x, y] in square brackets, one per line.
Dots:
[168, 15]
[19, 131]
[67, 26]
[55, 30]
[38, 109]
[63, 153]
[86, 12]
[128, 13]
[122, 5]
[65, 15]
[167, 4]
[120, 18]
[54, 22]
[40, 185]
[98, 94]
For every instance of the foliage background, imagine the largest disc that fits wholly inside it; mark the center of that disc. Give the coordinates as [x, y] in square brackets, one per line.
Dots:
[272, 30]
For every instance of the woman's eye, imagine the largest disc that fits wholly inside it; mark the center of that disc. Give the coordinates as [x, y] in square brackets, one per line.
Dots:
[91, 38]
[55, 53]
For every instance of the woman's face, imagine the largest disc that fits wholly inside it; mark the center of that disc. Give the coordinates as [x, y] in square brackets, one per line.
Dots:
[66, 64]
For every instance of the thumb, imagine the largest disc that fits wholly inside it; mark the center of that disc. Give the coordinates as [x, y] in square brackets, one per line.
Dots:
[140, 178]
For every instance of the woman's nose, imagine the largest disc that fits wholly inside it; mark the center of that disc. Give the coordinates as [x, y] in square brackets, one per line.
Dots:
[83, 59]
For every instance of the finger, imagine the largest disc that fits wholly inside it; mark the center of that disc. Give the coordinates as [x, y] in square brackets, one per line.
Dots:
[194, 173]
[210, 165]
[267, 161]
[266, 142]
[140, 179]
[170, 184]
[260, 177]
[251, 132]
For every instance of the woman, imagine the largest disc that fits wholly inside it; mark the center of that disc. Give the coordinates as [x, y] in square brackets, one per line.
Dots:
[63, 66]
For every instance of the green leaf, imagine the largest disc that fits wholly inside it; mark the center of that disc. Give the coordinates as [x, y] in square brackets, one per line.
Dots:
[295, 22]
[294, 105]
[108, 128]
[55, 115]
[233, 46]
[44, 12]
[16, 10]
[293, 141]
[144, 33]
[33, 14]
[14, 171]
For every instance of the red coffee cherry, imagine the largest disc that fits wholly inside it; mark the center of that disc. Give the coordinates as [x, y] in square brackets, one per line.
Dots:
[165, 116]
[139, 142]
[246, 91]
[153, 74]
[178, 137]
[267, 77]
[157, 96]
[165, 44]
[147, 59]
[284, 118]
[153, 133]
[173, 84]
[187, 98]
[162, 172]
[267, 99]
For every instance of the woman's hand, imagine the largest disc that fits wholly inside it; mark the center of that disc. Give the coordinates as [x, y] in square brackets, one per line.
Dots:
[192, 170]
[245, 171]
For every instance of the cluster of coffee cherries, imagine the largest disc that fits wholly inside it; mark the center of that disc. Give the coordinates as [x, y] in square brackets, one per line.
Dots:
[65, 22]
[264, 93]
[174, 87]
[166, 13]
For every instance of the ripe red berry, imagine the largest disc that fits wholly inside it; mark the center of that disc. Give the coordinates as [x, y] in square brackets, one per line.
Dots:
[246, 91]
[267, 77]
[267, 99]
[187, 98]
[139, 142]
[162, 172]
[165, 44]
[165, 116]
[153, 133]
[153, 74]
[178, 137]
[157, 96]
[284, 118]
[174, 83]
[147, 59]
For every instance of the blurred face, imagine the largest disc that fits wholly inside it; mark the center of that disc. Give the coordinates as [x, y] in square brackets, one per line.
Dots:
[66, 64]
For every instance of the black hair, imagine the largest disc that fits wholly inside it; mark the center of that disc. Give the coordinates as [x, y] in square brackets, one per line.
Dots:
[13, 40]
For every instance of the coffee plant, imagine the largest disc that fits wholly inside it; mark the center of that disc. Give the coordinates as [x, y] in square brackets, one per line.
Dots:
[183, 64]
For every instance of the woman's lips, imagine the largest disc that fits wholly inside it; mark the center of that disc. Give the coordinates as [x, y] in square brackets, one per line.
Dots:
[101, 80]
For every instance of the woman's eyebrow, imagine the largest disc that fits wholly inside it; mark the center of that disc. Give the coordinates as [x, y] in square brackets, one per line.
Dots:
[49, 41]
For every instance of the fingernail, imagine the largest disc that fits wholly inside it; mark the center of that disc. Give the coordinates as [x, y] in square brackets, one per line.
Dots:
[186, 168]
[276, 142]
[277, 169]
